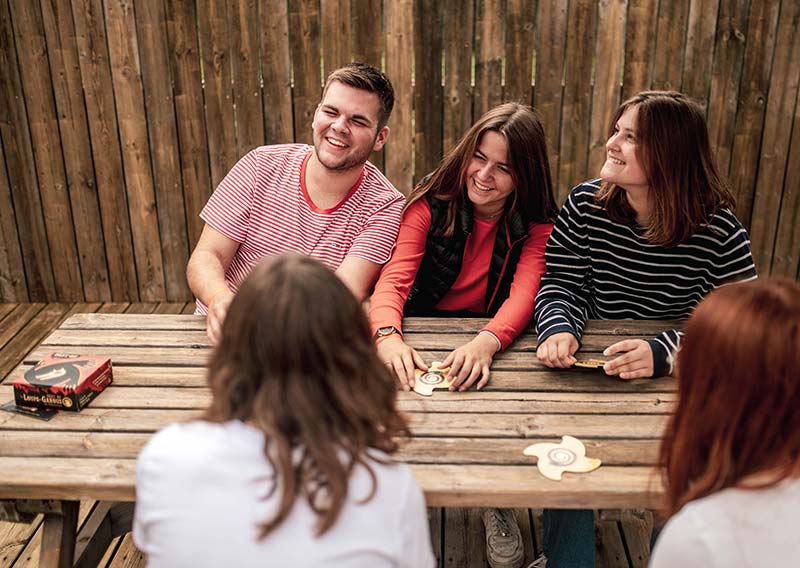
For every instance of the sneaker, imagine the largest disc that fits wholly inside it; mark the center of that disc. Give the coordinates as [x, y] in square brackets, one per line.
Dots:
[503, 539]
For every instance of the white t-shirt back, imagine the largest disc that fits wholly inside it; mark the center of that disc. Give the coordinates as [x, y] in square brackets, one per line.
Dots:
[202, 489]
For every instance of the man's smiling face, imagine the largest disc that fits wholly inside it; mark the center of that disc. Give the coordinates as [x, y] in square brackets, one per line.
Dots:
[345, 127]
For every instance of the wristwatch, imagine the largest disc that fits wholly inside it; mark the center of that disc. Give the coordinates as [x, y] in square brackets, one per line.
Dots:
[386, 331]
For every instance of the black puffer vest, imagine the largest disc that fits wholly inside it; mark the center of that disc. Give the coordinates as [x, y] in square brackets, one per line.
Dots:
[441, 263]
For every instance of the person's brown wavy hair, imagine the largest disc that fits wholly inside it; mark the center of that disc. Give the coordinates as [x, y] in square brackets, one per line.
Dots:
[686, 189]
[527, 159]
[738, 370]
[297, 361]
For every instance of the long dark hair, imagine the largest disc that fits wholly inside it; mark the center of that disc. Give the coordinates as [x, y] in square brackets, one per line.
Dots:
[527, 158]
[296, 360]
[685, 187]
[738, 376]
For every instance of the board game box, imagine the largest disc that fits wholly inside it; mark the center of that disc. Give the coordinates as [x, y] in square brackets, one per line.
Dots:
[63, 381]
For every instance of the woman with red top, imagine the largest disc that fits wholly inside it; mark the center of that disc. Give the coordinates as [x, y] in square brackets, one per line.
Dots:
[472, 242]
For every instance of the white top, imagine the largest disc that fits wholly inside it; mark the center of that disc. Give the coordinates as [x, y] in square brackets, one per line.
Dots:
[201, 490]
[734, 528]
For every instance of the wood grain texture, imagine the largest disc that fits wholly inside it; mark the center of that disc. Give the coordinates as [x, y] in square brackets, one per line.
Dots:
[519, 50]
[640, 36]
[489, 46]
[246, 65]
[786, 256]
[671, 42]
[427, 87]
[13, 287]
[336, 34]
[457, 103]
[276, 72]
[698, 61]
[304, 40]
[399, 41]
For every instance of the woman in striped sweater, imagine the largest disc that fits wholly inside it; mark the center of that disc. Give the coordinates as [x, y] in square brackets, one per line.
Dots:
[647, 240]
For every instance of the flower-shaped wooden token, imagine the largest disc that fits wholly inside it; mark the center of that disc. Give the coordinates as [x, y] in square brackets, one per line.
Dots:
[555, 459]
[433, 378]
[590, 363]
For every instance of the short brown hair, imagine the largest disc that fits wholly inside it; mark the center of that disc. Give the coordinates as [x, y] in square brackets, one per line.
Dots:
[527, 159]
[738, 373]
[686, 189]
[366, 78]
[296, 360]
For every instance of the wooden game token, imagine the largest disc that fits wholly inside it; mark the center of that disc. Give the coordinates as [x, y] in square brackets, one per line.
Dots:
[555, 459]
[433, 378]
[590, 363]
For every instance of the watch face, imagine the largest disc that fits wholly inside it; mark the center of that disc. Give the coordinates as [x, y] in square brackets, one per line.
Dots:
[384, 331]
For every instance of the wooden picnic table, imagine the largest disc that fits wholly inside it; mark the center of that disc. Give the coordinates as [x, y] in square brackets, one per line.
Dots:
[466, 448]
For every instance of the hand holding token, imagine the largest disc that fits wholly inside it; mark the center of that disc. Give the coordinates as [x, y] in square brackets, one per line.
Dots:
[433, 378]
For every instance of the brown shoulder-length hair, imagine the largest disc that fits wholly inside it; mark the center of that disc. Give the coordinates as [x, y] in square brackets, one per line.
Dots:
[296, 360]
[527, 159]
[738, 376]
[686, 189]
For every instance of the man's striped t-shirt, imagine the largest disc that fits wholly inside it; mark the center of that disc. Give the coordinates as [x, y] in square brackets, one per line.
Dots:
[600, 269]
[263, 203]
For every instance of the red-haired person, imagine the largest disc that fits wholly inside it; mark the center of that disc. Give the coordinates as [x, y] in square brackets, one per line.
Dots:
[290, 465]
[472, 243]
[731, 452]
[648, 240]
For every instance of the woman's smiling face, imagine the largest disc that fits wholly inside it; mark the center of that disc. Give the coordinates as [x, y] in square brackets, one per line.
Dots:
[622, 167]
[489, 179]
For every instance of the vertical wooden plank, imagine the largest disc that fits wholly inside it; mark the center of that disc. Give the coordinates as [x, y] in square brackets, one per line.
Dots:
[697, 64]
[761, 30]
[725, 78]
[398, 16]
[435, 524]
[671, 41]
[551, 40]
[786, 257]
[82, 186]
[127, 78]
[464, 542]
[163, 136]
[46, 142]
[776, 138]
[526, 531]
[520, 22]
[574, 145]
[188, 91]
[216, 68]
[427, 87]
[610, 551]
[335, 34]
[58, 537]
[276, 69]
[243, 29]
[488, 56]
[610, 48]
[13, 287]
[304, 31]
[458, 23]
[90, 35]
[366, 45]
[640, 35]
[637, 528]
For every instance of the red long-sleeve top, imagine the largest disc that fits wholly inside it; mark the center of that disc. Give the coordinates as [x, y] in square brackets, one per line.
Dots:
[469, 290]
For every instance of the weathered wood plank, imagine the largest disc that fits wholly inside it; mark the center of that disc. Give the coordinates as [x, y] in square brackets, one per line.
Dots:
[610, 549]
[126, 72]
[37, 88]
[16, 320]
[127, 555]
[30, 556]
[640, 37]
[399, 40]
[551, 22]
[33, 332]
[699, 58]
[671, 41]
[366, 43]
[457, 104]
[637, 526]
[13, 287]
[427, 87]
[464, 543]
[169, 308]
[786, 257]
[62, 52]
[776, 138]
[608, 77]
[6, 309]
[519, 48]
[90, 35]
[488, 56]
[305, 48]
[276, 70]
[335, 34]
[244, 44]
[436, 528]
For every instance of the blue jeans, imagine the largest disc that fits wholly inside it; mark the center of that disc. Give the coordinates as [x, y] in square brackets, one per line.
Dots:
[569, 538]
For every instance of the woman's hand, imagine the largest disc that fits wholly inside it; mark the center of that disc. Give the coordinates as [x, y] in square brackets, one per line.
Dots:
[470, 361]
[637, 362]
[402, 358]
[558, 350]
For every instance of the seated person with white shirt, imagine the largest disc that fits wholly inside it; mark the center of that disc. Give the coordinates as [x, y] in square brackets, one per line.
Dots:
[290, 465]
[731, 452]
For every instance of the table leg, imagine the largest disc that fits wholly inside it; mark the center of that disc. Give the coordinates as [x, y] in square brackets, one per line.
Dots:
[58, 539]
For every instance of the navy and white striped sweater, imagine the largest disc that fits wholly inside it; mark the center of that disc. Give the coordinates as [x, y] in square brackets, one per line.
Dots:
[600, 269]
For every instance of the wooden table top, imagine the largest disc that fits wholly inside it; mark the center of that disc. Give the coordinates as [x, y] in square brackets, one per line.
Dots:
[466, 448]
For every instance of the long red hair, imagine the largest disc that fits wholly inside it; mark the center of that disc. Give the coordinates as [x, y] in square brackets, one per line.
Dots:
[738, 413]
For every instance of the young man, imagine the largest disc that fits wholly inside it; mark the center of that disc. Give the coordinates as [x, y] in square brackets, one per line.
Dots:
[325, 201]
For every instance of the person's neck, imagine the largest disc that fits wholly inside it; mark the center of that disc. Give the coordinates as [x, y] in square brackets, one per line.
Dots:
[488, 213]
[328, 187]
[640, 203]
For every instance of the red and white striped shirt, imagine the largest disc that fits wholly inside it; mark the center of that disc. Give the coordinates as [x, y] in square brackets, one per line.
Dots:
[263, 204]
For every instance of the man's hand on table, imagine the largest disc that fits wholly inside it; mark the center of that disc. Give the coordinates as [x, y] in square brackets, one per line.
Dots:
[402, 358]
[470, 361]
[558, 350]
[217, 309]
[637, 362]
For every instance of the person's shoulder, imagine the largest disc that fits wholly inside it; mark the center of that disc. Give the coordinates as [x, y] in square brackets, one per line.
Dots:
[585, 191]
[723, 226]
[377, 186]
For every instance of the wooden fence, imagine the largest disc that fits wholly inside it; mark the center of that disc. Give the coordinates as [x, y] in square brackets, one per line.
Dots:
[117, 118]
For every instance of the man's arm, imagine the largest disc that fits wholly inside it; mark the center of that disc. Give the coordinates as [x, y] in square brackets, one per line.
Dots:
[359, 275]
[205, 273]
